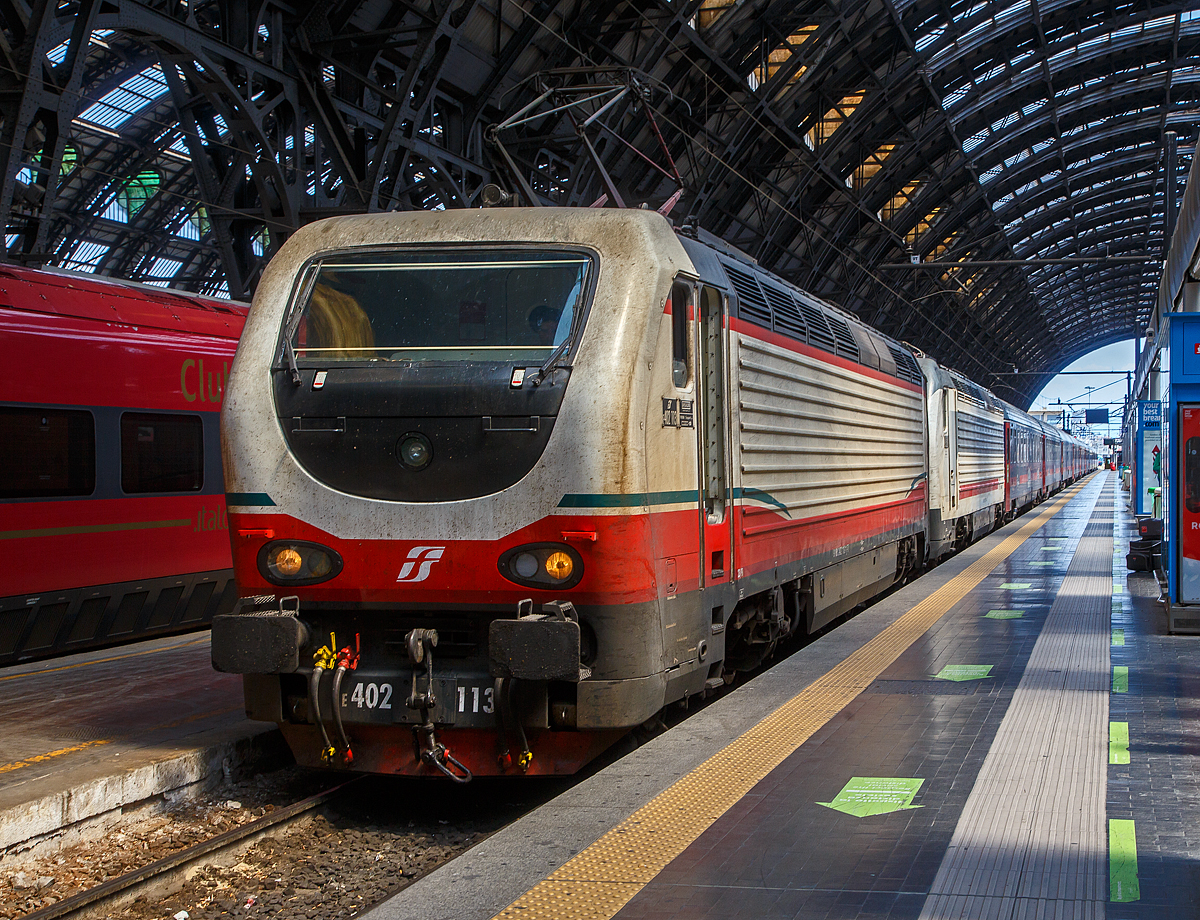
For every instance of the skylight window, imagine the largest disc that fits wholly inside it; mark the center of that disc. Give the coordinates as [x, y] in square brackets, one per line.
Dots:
[161, 272]
[139, 190]
[949, 101]
[871, 166]
[86, 256]
[975, 140]
[834, 118]
[131, 97]
[928, 39]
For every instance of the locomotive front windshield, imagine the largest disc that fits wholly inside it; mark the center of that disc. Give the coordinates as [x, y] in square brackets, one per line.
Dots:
[454, 305]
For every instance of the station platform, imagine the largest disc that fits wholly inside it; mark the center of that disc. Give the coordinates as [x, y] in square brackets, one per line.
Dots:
[89, 736]
[1013, 735]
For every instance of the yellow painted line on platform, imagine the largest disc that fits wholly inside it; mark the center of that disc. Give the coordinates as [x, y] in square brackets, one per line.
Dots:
[84, 664]
[604, 877]
[42, 758]
[50, 755]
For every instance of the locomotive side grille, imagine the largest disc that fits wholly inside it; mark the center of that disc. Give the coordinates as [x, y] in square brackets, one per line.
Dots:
[980, 437]
[817, 439]
[847, 346]
[788, 320]
[906, 365]
[751, 303]
[818, 329]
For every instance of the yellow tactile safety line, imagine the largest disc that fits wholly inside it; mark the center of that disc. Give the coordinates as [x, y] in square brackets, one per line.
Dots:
[50, 755]
[602, 879]
[84, 664]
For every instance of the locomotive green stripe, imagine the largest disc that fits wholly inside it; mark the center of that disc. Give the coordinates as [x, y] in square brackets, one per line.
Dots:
[639, 499]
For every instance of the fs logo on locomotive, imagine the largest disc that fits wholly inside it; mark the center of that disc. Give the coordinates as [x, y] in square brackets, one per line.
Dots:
[427, 556]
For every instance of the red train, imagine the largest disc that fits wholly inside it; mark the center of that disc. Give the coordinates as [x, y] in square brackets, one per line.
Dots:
[112, 504]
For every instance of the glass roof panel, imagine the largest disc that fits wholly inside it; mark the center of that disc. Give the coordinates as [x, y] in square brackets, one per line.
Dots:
[118, 106]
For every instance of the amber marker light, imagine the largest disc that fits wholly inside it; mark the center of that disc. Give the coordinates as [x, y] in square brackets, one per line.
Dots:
[288, 561]
[559, 566]
[298, 562]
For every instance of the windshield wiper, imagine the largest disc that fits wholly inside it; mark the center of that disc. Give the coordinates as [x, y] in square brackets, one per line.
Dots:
[551, 362]
[291, 356]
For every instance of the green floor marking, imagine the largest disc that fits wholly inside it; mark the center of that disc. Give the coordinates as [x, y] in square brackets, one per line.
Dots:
[1122, 862]
[875, 795]
[964, 672]
[1120, 679]
[1016, 585]
[1118, 742]
[1118, 637]
[1004, 614]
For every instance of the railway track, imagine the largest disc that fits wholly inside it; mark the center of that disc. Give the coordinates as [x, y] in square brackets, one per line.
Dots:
[168, 873]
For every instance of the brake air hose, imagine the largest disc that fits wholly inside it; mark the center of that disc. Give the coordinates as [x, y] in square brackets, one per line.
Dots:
[347, 661]
[526, 756]
[323, 660]
[505, 756]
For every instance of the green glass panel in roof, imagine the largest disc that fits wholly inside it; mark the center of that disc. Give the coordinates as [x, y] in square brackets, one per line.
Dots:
[138, 190]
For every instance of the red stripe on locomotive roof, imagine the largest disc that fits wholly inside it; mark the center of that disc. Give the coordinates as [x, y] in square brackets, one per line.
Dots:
[737, 324]
[104, 300]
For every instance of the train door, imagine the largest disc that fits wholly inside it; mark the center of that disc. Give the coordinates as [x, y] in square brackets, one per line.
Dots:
[1041, 441]
[1008, 461]
[950, 439]
[1188, 507]
[716, 545]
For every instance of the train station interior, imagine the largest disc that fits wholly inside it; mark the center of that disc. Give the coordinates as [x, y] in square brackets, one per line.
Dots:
[607, 430]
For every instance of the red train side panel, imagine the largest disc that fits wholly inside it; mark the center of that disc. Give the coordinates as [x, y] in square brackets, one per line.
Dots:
[112, 509]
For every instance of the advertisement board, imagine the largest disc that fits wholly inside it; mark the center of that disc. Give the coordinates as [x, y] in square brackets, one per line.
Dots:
[1148, 469]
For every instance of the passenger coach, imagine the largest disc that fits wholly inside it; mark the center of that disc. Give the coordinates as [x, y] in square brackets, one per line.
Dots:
[112, 505]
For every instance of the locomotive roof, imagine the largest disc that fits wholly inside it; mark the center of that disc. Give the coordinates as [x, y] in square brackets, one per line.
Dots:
[127, 303]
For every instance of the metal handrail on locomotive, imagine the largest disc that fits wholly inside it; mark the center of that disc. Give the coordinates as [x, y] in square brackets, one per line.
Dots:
[502, 484]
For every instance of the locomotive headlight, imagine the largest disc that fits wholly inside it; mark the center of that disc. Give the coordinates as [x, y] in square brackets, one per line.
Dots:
[542, 565]
[526, 565]
[415, 451]
[294, 562]
[559, 566]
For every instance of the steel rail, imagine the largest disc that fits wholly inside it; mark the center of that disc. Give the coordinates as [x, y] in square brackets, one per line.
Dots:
[98, 900]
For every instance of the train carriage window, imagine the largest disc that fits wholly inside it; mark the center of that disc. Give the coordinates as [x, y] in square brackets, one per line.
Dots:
[46, 453]
[161, 453]
[451, 304]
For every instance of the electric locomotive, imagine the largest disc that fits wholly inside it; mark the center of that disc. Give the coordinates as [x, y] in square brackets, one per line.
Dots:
[504, 483]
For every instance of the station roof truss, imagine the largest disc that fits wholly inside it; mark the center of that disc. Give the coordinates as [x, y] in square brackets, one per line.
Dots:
[1021, 146]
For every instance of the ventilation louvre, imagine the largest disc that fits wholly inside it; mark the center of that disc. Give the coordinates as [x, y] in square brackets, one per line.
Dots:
[751, 303]
[819, 335]
[847, 345]
[787, 315]
[906, 366]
